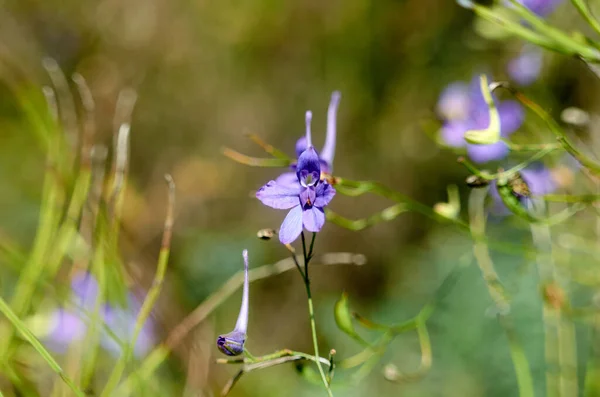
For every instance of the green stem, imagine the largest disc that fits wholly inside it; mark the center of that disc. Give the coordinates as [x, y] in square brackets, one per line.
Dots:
[586, 13]
[270, 357]
[28, 335]
[557, 36]
[562, 139]
[178, 334]
[311, 313]
[559, 331]
[357, 188]
[52, 200]
[477, 223]
[152, 296]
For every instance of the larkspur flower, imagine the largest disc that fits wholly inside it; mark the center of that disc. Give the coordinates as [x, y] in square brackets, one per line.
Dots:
[305, 199]
[327, 154]
[121, 321]
[462, 108]
[65, 326]
[232, 343]
[526, 67]
[539, 180]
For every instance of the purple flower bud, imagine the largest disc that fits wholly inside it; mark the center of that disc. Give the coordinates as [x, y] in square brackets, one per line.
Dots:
[526, 67]
[232, 343]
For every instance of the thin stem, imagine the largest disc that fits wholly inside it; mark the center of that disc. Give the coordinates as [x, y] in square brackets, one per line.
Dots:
[28, 335]
[559, 332]
[553, 126]
[152, 296]
[586, 13]
[480, 249]
[311, 313]
[178, 334]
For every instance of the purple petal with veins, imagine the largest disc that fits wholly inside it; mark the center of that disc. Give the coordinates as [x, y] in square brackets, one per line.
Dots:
[278, 196]
[313, 219]
[325, 193]
[291, 226]
[288, 180]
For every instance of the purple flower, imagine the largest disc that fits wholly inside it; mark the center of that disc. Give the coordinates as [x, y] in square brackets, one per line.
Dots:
[526, 67]
[65, 328]
[542, 8]
[121, 321]
[462, 108]
[70, 325]
[232, 343]
[328, 152]
[539, 180]
[305, 198]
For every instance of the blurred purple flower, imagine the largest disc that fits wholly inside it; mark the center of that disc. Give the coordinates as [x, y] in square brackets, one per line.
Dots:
[462, 107]
[70, 325]
[65, 328]
[526, 67]
[539, 180]
[305, 198]
[542, 8]
[121, 322]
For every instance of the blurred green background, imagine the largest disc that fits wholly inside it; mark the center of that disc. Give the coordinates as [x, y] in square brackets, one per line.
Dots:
[207, 73]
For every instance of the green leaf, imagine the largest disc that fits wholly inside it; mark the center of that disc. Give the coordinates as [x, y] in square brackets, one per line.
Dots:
[343, 317]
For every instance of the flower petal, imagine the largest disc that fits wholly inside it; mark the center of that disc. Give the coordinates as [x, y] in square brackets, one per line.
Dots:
[328, 152]
[289, 180]
[526, 67]
[85, 288]
[454, 102]
[325, 193]
[485, 153]
[511, 117]
[65, 328]
[301, 146]
[309, 167]
[313, 219]
[291, 226]
[277, 196]
[453, 133]
[539, 179]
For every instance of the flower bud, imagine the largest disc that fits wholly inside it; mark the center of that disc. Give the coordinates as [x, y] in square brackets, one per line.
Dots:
[232, 343]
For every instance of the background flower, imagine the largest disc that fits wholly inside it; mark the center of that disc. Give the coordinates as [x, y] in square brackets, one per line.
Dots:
[462, 108]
